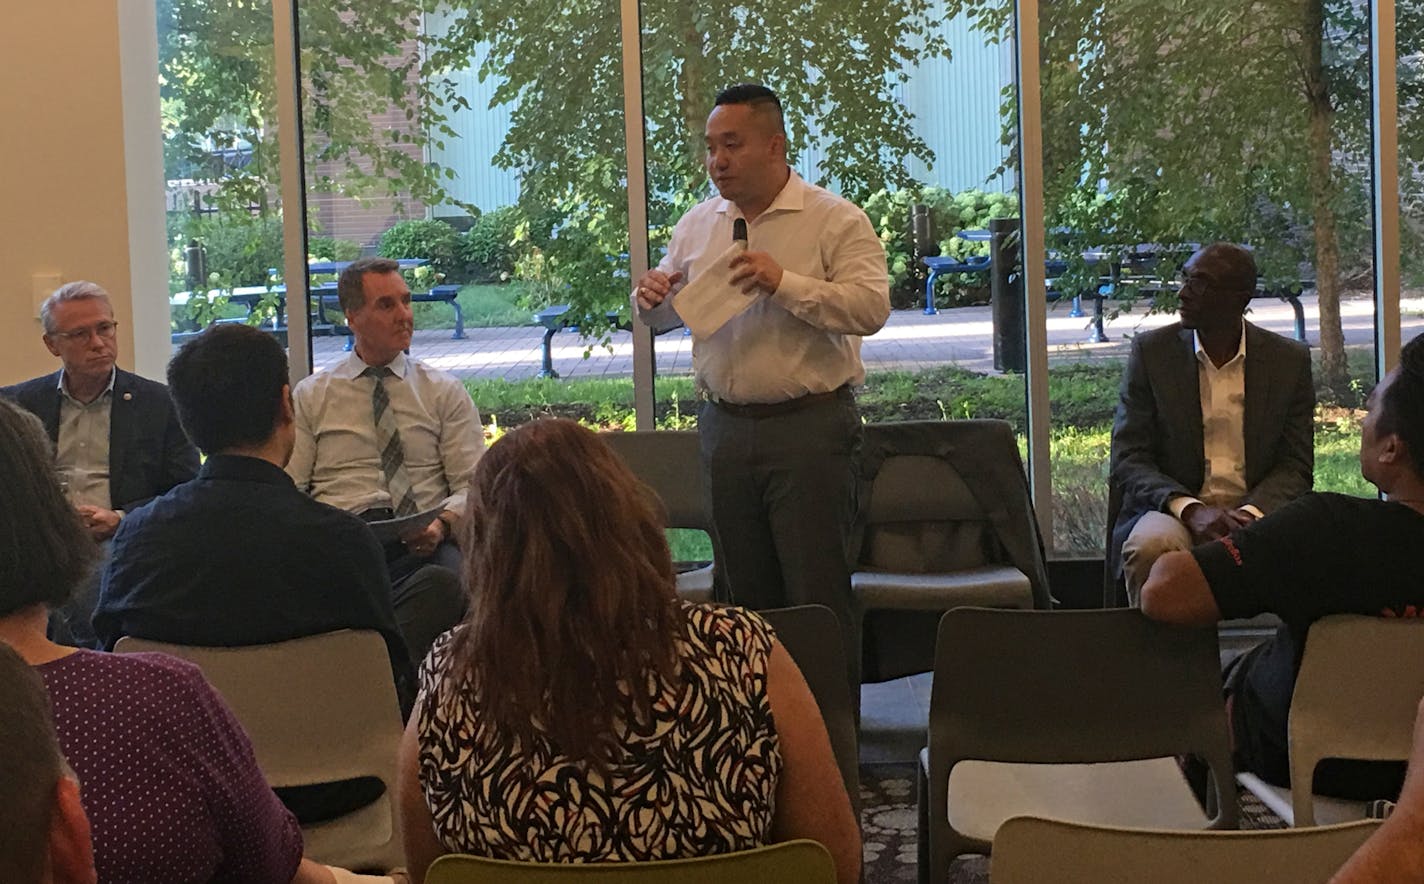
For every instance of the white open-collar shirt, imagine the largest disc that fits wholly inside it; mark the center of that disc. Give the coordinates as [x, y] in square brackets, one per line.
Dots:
[805, 337]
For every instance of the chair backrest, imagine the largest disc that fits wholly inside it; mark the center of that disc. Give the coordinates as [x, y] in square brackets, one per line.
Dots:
[1076, 687]
[946, 496]
[922, 518]
[668, 461]
[1356, 696]
[317, 709]
[1028, 850]
[808, 633]
[793, 862]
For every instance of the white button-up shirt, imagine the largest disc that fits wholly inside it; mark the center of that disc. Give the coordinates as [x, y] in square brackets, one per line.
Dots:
[805, 337]
[1223, 408]
[336, 458]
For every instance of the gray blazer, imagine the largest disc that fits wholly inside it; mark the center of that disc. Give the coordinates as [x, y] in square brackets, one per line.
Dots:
[1157, 448]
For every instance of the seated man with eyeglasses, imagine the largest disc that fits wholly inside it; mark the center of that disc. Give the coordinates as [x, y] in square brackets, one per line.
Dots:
[117, 438]
[1214, 422]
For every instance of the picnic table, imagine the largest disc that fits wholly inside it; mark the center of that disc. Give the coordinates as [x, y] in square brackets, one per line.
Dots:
[323, 297]
[1137, 257]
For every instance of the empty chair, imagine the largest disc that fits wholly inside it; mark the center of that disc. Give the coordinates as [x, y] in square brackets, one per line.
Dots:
[803, 631]
[793, 862]
[948, 522]
[1356, 696]
[668, 462]
[1052, 697]
[1029, 850]
[319, 709]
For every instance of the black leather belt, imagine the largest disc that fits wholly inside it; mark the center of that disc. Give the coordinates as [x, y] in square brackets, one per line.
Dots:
[777, 409]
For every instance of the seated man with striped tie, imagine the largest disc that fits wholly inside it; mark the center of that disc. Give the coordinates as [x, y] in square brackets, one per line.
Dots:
[383, 435]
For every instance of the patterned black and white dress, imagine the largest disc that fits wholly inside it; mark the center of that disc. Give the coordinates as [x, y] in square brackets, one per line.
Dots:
[699, 779]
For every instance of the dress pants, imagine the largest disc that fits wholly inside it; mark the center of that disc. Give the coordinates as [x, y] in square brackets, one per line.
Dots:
[426, 594]
[783, 490]
[1154, 535]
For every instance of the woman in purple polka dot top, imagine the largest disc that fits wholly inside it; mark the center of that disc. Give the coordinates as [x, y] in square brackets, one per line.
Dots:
[167, 776]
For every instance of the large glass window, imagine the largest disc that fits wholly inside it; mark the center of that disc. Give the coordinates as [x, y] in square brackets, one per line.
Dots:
[220, 162]
[1409, 45]
[480, 143]
[1220, 121]
[896, 107]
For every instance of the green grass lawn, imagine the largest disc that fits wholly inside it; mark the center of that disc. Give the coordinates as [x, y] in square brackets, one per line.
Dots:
[494, 305]
[1082, 400]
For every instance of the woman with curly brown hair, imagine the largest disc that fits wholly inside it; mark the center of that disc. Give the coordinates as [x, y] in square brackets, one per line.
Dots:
[582, 713]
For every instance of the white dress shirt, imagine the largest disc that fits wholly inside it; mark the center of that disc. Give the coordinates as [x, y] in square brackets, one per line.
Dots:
[1223, 408]
[82, 449]
[805, 337]
[336, 458]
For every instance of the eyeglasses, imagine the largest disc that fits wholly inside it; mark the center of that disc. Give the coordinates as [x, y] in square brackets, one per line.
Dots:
[1197, 283]
[105, 330]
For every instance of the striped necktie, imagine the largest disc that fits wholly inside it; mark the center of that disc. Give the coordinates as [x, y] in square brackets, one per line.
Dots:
[388, 443]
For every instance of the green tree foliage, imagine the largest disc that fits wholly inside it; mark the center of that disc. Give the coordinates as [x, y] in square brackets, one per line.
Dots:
[362, 62]
[1171, 122]
[559, 70]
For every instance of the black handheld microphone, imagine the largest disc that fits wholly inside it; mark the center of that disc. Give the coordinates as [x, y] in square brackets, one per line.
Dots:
[739, 230]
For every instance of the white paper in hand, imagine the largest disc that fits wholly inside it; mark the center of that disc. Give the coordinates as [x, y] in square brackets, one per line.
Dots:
[710, 300]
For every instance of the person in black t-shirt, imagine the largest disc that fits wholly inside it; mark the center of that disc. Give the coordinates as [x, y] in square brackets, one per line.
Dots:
[1322, 554]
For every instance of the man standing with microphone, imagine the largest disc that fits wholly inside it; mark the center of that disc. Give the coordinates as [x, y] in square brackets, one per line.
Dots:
[780, 433]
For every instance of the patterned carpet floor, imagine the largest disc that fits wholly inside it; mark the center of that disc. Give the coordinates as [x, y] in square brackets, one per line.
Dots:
[887, 794]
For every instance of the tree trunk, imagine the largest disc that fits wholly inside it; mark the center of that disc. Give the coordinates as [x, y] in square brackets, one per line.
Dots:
[690, 100]
[1333, 369]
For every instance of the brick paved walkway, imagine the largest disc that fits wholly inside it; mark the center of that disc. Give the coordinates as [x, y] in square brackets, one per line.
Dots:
[910, 341]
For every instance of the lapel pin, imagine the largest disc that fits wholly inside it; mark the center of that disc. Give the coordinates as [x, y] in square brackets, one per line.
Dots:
[128, 397]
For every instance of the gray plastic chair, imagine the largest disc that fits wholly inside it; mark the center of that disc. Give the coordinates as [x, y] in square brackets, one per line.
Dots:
[1029, 850]
[792, 862]
[317, 709]
[1356, 696]
[808, 634]
[948, 522]
[669, 462]
[1051, 697]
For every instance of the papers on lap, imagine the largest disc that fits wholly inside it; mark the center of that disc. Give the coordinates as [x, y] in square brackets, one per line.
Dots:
[710, 300]
[391, 530]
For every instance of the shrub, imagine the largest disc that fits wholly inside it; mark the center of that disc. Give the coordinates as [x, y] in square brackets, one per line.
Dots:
[889, 212]
[489, 249]
[240, 248]
[327, 248]
[435, 241]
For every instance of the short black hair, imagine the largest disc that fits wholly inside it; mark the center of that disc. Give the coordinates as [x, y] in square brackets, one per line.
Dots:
[227, 386]
[350, 285]
[45, 549]
[757, 96]
[30, 768]
[1233, 266]
[1402, 405]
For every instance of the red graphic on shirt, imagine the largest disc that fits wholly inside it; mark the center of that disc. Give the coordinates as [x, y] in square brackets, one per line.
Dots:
[1231, 549]
[1410, 612]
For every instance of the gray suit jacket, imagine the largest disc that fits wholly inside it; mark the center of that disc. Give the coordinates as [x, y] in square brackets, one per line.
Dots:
[148, 451]
[1157, 448]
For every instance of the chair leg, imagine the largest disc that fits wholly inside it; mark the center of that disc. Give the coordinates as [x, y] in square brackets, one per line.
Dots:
[922, 823]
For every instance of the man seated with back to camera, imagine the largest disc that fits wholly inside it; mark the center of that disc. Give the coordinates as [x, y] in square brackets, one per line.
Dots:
[1322, 554]
[238, 556]
[384, 435]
